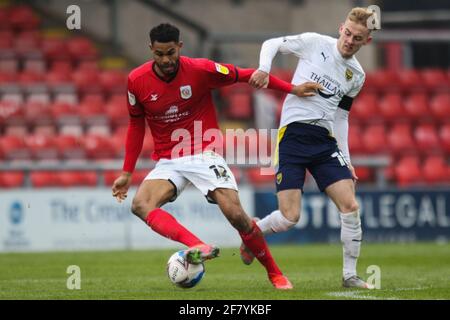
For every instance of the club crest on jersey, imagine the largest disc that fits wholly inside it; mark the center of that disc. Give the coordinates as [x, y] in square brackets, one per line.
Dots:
[279, 177]
[186, 92]
[131, 98]
[348, 74]
[222, 69]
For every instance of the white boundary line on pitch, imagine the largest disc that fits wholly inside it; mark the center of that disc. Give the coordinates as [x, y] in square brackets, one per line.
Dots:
[360, 295]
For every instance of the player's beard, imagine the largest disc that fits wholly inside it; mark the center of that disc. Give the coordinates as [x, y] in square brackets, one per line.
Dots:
[169, 69]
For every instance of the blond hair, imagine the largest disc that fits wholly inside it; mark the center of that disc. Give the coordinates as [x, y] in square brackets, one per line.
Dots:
[360, 15]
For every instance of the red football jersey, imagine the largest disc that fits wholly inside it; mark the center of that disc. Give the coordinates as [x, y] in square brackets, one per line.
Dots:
[178, 103]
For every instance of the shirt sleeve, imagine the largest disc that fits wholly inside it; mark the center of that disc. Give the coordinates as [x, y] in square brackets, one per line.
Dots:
[340, 129]
[358, 86]
[295, 45]
[220, 74]
[136, 130]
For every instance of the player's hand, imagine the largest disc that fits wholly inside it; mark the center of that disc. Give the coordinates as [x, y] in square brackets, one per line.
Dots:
[259, 79]
[353, 172]
[120, 186]
[307, 89]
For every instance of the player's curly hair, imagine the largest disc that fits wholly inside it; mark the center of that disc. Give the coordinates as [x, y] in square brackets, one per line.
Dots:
[165, 32]
[360, 15]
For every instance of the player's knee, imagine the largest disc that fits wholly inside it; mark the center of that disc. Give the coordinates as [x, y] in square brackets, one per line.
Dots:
[350, 206]
[140, 207]
[291, 214]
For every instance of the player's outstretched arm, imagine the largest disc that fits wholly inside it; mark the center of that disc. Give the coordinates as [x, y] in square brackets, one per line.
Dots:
[133, 147]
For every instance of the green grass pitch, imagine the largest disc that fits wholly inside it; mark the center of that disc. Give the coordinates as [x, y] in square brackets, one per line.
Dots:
[408, 271]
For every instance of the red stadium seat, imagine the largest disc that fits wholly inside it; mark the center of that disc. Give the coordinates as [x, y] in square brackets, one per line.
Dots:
[385, 80]
[356, 144]
[88, 65]
[427, 138]
[6, 39]
[407, 171]
[93, 113]
[14, 148]
[87, 81]
[410, 80]
[6, 76]
[57, 77]
[239, 106]
[76, 179]
[113, 81]
[12, 179]
[42, 147]
[416, 107]
[37, 113]
[55, 50]
[70, 147]
[5, 24]
[444, 135]
[42, 179]
[81, 48]
[138, 177]
[400, 139]
[65, 114]
[98, 147]
[434, 79]
[374, 139]
[365, 108]
[11, 113]
[117, 112]
[27, 42]
[45, 129]
[23, 18]
[364, 174]
[436, 170]
[110, 176]
[440, 107]
[255, 177]
[93, 98]
[391, 107]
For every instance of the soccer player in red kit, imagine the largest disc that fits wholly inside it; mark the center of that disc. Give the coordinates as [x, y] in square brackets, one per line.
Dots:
[171, 93]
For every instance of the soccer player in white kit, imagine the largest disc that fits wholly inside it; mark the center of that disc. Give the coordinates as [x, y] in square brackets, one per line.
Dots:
[313, 130]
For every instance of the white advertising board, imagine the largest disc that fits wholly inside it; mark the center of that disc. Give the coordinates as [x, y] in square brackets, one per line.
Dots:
[91, 219]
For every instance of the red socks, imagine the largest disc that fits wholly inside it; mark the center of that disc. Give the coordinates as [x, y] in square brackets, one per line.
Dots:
[254, 240]
[166, 225]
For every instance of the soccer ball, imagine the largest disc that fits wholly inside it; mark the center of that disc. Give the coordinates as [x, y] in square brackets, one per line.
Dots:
[183, 273]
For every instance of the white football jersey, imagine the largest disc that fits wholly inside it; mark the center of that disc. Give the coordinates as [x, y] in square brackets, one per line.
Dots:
[321, 62]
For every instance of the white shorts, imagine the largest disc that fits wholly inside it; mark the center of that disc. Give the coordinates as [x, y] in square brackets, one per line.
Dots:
[206, 171]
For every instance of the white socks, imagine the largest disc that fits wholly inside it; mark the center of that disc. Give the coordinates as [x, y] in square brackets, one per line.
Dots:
[275, 222]
[351, 236]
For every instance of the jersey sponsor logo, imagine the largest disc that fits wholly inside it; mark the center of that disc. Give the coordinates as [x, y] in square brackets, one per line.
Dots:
[324, 95]
[154, 97]
[222, 69]
[131, 98]
[186, 92]
[172, 110]
[348, 74]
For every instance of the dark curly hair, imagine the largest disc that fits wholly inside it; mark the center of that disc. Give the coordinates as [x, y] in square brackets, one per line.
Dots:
[164, 32]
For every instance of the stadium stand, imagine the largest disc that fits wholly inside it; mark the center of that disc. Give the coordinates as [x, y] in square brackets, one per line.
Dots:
[58, 103]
